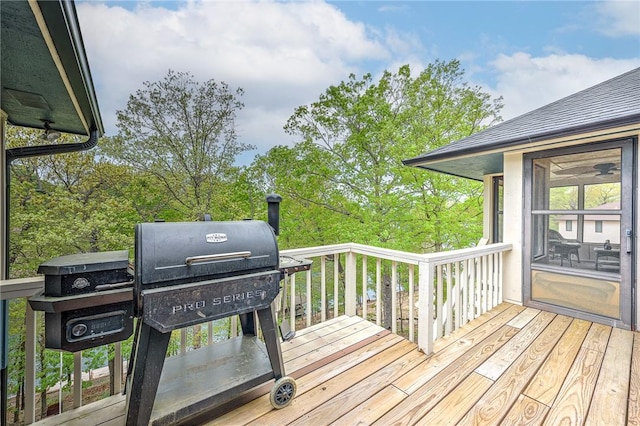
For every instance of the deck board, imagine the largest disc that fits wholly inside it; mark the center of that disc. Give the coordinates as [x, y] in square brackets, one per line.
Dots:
[526, 411]
[373, 408]
[609, 403]
[353, 395]
[426, 397]
[549, 379]
[453, 407]
[438, 361]
[503, 358]
[574, 397]
[498, 400]
[511, 365]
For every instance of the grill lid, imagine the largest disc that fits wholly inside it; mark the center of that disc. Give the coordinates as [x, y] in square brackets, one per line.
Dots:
[86, 273]
[85, 262]
[172, 253]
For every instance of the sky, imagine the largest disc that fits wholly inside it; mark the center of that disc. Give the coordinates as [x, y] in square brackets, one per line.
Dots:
[285, 54]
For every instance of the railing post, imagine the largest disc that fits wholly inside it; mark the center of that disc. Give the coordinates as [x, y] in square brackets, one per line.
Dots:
[323, 288]
[350, 293]
[117, 367]
[411, 304]
[308, 307]
[30, 367]
[439, 308]
[500, 268]
[234, 327]
[292, 303]
[425, 307]
[183, 341]
[365, 296]
[77, 379]
[336, 286]
[394, 297]
[379, 291]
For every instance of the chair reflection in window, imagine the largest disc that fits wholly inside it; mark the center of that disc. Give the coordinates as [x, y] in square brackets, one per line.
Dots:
[560, 246]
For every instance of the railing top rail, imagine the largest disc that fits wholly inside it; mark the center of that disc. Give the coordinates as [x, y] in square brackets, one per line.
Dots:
[21, 287]
[319, 250]
[401, 256]
[466, 253]
[26, 287]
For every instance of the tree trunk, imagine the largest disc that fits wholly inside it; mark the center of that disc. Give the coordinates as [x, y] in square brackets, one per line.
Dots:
[43, 404]
[197, 336]
[387, 302]
[16, 413]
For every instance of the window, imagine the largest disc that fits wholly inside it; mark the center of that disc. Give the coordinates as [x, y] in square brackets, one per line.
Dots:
[540, 201]
[568, 225]
[599, 226]
[498, 212]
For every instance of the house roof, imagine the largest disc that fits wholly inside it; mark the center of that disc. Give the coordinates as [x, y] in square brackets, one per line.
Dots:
[613, 103]
[44, 72]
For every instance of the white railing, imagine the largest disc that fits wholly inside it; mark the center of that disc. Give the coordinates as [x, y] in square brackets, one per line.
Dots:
[451, 287]
[464, 284]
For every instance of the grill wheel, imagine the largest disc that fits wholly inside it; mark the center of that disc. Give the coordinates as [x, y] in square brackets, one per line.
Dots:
[283, 392]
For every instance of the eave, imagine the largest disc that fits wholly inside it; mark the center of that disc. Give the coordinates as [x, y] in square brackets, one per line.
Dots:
[604, 108]
[476, 162]
[44, 71]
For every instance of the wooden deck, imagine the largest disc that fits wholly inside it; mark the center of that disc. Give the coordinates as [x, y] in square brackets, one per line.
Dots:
[513, 365]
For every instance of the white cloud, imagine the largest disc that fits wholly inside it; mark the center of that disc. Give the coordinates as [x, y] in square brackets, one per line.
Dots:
[282, 54]
[285, 54]
[618, 18]
[527, 82]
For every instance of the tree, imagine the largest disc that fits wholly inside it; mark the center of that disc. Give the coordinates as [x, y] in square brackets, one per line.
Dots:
[182, 133]
[348, 163]
[353, 140]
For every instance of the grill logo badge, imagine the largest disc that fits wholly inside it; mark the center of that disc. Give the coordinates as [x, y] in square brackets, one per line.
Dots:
[80, 283]
[216, 237]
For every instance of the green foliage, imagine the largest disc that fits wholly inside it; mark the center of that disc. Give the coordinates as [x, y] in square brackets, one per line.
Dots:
[182, 133]
[345, 180]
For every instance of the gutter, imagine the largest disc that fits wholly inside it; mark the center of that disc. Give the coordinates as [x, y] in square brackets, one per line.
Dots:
[39, 150]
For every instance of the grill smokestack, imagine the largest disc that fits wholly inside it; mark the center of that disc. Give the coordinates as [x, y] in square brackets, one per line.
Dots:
[273, 212]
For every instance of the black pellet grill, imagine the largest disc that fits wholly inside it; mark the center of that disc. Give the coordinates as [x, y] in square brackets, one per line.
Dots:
[190, 273]
[184, 274]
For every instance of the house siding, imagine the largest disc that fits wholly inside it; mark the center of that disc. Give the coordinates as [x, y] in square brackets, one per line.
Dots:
[513, 230]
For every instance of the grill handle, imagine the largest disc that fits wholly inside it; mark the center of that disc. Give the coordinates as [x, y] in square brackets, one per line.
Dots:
[221, 256]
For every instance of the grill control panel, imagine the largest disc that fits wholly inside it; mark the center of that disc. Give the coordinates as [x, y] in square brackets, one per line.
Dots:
[96, 326]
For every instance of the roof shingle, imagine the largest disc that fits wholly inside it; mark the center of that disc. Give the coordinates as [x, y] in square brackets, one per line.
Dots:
[613, 103]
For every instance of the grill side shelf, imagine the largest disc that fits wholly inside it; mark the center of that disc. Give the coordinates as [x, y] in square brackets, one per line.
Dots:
[170, 308]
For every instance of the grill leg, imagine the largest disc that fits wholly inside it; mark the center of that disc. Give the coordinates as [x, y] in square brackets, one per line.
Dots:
[132, 355]
[248, 323]
[142, 385]
[269, 328]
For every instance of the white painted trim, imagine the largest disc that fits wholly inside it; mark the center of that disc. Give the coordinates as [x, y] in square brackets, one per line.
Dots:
[56, 59]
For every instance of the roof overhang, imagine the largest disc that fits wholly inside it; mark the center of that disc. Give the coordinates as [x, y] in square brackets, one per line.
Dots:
[474, 162]
[470, 167]
[45, 75]
[608, 107]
